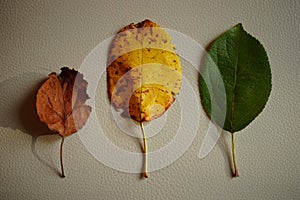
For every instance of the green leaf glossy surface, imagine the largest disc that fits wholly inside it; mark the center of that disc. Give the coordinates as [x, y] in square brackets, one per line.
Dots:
[243, 64]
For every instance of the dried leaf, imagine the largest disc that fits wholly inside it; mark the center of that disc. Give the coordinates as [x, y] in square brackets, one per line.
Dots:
[142, 55]
[144, 72]
[60, 103]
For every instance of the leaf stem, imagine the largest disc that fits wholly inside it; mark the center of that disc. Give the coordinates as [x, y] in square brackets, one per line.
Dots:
[61, 158]
[145, 173]
[235, 169]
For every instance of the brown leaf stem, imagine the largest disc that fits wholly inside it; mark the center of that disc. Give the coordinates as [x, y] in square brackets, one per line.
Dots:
[61, 158]
[235, 169]
[145, 173]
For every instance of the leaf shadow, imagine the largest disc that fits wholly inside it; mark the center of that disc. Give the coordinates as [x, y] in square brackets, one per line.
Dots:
[17, 104]
[139, 141]
[226, 152]
[124, 114]
[143, 167]
[222, 143]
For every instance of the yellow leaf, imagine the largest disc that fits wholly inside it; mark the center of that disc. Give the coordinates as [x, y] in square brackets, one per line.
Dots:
[144, 73]
[142, 58]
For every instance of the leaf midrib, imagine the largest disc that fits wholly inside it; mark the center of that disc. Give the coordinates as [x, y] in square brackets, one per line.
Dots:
[141, 77]
[234, 83]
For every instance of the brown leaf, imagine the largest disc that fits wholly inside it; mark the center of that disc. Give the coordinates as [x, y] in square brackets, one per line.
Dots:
[60, 103]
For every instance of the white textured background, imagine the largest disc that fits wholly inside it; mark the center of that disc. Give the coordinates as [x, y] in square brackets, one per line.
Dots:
[41, 36]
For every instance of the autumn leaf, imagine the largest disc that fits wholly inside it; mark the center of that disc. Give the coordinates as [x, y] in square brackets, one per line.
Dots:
[144, 73]
[60, 103]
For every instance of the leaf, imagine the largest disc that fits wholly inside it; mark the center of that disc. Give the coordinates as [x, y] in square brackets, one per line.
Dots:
[60, 103]
[244, 67]
[144, 72]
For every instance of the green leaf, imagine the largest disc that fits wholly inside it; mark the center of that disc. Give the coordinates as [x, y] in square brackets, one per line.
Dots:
[236, 82]
[243, 64]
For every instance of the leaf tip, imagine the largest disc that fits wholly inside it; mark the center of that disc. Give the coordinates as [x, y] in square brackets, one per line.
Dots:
[239, 26]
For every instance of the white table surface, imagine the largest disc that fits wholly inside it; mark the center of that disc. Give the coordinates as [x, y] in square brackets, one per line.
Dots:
[38, 37]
